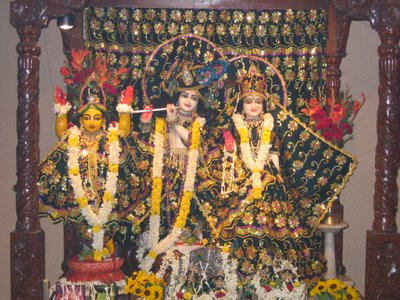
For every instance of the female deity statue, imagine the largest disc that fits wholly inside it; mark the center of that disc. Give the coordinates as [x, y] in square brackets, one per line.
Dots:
[264, 192]
[88, 178]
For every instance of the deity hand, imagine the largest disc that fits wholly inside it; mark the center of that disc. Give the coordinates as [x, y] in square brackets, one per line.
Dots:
[61, 107]
[229, 141]
[146, 116]
[127, 95]
[60, 97]
[124, 109]
[172, 112]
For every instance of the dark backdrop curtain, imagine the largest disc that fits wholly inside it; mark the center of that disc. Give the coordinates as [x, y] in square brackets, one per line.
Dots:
[292, 40]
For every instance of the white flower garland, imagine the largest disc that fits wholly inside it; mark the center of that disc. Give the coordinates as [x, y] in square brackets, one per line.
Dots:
[255, 166]
[231, 278]
[297, 293]
[178, 266]
[157, 247]
[96, 221]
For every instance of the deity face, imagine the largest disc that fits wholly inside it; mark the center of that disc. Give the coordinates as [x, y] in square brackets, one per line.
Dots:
[188, 101]
[92, 120]
[252, 106]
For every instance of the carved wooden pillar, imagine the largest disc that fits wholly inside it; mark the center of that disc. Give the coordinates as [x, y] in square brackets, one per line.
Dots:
[338, 33]
[383, 242]
[27, 240]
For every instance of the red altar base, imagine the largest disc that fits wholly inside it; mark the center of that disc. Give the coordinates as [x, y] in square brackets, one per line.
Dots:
[106, 271]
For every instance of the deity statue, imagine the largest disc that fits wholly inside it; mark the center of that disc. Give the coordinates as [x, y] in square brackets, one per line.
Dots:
[177, 230]
[176, 140]
[259, 197]
[89, 176]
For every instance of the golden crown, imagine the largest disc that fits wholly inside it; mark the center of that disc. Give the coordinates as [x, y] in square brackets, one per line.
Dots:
[252, 83]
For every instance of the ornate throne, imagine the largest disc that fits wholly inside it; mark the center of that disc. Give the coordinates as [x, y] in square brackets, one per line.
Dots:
[30, 17]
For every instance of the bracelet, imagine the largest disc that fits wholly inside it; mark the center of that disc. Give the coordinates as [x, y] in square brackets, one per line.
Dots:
[173, 122]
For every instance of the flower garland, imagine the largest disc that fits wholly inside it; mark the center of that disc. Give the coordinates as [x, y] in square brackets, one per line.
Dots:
[157, 247]
[255, 166]
[177, 266]
[231, 277]
[96, 221]
[297, 291]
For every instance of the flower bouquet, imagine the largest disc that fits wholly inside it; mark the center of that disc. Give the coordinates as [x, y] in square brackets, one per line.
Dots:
[144, 285]
[333, 118]
[333, 289]
[82, 65]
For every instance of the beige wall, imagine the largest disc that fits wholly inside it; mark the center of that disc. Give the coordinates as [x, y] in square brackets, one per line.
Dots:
[359, 72]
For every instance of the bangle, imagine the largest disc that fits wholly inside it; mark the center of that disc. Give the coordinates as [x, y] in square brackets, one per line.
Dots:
[173, 122]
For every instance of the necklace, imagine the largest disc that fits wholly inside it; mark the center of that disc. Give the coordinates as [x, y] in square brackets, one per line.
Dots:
[97, 220]
[89, 155]
[185, 114]
[255, 164]
[92, 135]
[253, 120]
[156, 246]
[254, 128]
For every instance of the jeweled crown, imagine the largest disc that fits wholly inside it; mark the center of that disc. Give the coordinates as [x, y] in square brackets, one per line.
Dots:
[252, 83]
[92, 95]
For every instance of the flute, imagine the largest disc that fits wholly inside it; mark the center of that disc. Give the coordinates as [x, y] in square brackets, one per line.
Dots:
[148, 110]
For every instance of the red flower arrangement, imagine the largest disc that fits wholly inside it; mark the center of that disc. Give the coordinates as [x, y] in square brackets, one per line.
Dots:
[333, 118]
[82, 65]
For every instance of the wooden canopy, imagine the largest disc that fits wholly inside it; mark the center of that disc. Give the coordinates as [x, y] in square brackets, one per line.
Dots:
[29, 17]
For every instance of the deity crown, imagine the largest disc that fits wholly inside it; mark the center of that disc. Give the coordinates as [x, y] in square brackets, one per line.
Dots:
[252, 83]
[92, 95]
[181, 76]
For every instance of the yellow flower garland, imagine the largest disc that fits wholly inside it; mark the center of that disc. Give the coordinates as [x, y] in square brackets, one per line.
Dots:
[184, 209]
[156, 193]
[255, 166]
[157, 181]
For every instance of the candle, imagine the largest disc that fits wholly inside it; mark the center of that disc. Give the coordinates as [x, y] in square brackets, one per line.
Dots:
[46, 286]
